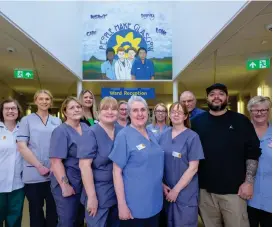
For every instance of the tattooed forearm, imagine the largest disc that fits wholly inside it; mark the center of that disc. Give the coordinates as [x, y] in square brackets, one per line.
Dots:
[251, 169]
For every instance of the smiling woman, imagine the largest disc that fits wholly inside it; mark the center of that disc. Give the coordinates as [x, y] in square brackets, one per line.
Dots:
[11, 184]
[66, 184]
[33, 140]
[138, 169]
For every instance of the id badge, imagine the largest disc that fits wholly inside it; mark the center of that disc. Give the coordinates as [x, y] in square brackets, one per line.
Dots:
[140, 146]
[176, 154]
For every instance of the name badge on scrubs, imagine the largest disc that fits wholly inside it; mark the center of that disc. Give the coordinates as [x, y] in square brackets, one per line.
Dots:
[176, 154]
[140, 146]
[154, 131]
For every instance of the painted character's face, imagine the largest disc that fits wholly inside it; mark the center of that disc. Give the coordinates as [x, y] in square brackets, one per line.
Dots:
[131, 54]
[121, 55]
[110, 56]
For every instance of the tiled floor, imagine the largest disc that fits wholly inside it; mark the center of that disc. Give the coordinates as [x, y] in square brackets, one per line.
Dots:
[26, 216]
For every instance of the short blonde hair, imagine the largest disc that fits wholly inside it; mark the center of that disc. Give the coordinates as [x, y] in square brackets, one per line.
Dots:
[154, 120]
[108, 102]
[66, 102]
[42, 91]
[258, 100]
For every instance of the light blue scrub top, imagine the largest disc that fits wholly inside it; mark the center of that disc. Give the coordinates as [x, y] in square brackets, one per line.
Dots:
[155, 129]
[109, 69]
[262, 198]
[37, 135]
[142, 164]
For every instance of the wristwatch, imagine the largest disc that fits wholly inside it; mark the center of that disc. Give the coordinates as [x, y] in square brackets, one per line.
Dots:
[65, 180]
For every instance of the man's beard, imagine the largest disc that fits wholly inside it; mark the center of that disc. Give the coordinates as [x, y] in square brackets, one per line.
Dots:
[218, 107]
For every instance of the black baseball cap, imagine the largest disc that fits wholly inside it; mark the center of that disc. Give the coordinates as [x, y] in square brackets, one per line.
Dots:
[219, 86]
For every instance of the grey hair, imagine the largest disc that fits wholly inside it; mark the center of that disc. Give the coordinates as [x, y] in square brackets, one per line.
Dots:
[258, 100]
[135, 98]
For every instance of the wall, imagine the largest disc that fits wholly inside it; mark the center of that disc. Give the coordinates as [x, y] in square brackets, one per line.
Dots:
[195, 24]
[55, 25]
[6, 92]
[262, 82]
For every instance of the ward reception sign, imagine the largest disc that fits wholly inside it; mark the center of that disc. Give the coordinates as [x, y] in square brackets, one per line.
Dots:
[127, 41]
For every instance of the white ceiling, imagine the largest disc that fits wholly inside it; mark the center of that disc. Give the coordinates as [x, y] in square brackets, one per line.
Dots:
[49, 74]
[237, 42]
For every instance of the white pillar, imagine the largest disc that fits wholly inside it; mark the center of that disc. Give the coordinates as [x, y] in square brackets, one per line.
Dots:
[175, 91]
[79, 87]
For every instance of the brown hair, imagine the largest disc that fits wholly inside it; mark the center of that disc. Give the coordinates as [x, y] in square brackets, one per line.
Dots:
[185, 110]
[93, 108]
[107, 102]
[122, 102]
[120, 49]
[154, 120]
[66, 102]
[9, 100]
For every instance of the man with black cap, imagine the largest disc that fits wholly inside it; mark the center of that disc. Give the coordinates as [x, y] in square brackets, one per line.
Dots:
[231, 149]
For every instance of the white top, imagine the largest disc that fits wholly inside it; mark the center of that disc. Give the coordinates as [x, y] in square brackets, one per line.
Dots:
[123, 72]
[11, 161]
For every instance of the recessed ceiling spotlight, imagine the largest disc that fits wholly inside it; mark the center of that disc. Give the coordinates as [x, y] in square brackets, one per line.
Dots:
[269, 27]
[10, 49]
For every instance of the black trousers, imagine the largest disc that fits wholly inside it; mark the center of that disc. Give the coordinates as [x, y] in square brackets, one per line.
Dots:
[259, 217]
[37, 194]
[146, 222]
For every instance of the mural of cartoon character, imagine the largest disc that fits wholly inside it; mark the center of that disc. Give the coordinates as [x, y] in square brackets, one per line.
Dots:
[131, 54]
[122, 66]
[108, 67]
[143, 68]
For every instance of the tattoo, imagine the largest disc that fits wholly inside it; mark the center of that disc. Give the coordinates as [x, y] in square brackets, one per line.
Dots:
[65, 180]
[251, 169]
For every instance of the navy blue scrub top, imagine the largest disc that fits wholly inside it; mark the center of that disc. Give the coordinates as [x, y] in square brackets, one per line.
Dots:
[98, 146]
[179, 151]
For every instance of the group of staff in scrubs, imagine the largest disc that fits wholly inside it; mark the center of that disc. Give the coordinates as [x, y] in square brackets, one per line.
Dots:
[103, 166]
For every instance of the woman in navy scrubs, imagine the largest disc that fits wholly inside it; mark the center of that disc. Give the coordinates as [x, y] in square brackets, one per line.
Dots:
[138, 170]
[66, 183]
[99, 195]
[183, 150]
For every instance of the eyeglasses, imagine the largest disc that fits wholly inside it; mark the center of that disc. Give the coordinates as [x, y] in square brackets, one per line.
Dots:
[121, 109]
[262, 111]
[13, 109]
[160, 111]
[173, 112]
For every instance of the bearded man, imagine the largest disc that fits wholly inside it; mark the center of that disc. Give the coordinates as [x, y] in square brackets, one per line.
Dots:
[231, 149]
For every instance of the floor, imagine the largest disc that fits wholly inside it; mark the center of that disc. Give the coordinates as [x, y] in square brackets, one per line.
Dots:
[25, 222]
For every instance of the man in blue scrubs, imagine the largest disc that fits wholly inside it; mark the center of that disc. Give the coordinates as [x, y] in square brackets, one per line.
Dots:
[108, 67]
[143, 68]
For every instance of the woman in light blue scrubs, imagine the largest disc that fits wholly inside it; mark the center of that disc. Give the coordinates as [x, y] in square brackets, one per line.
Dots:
[33, 140]
[99, 195]
[66, 183]
[183, 150]
[12, 193]
[260, 206]
[160, 120]
[138, 170]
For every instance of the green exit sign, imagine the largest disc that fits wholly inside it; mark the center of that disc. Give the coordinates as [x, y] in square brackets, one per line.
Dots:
[23, 74]
[258, 64]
